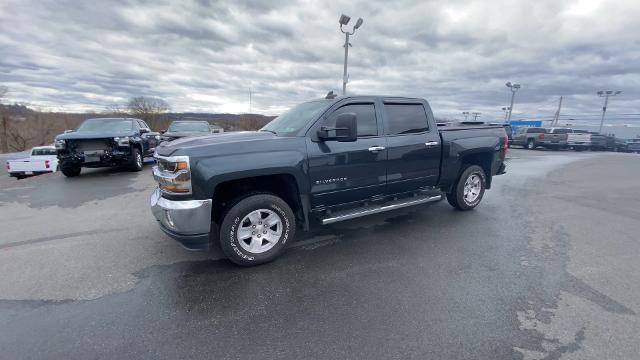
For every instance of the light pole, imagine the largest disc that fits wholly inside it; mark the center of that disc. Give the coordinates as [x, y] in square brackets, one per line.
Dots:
[344, 20]
[465, 113]
[513, 88]
[506, 112]
[605, 94]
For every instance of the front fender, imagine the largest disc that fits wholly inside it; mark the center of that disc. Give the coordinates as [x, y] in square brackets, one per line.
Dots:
[208, 173]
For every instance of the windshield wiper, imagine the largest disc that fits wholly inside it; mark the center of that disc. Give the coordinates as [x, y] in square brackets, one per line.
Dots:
[271, 131]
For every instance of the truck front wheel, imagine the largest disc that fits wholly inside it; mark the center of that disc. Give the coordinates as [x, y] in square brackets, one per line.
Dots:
[70, 171]
[469, 188]
[136, 162]
[256, 229]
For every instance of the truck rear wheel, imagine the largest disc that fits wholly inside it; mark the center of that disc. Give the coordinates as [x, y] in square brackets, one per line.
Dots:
[71, 171]
[469, 188]
[531, 144]
[256, 229]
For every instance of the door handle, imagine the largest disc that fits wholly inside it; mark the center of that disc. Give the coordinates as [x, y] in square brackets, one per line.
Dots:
[431, 144]
[376, 148]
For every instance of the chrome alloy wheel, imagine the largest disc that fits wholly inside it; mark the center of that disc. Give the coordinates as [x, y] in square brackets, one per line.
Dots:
[259, 231]
[139, 160]
[472, 188]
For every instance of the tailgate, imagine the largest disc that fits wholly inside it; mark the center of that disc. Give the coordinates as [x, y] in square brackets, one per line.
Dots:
[579, 138]
[24, 165]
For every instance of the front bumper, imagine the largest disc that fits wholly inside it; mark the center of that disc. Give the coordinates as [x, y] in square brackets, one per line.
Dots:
[104, 158]
[187, 221]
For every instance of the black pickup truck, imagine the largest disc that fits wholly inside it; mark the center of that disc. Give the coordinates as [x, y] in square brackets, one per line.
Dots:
[105, 142]
[321, 162]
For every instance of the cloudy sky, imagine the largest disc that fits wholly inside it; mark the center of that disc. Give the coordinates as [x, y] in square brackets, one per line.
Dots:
[204, 56]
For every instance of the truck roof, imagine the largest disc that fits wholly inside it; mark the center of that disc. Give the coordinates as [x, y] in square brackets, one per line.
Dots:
[380, 97]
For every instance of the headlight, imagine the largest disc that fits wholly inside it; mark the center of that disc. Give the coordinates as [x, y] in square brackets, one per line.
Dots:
[122, 141]
[173, 174]
[60, 144]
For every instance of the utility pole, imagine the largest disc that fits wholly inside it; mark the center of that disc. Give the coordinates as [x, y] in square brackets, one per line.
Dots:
[250, 100]
[344, 20]
[605, 94]
[475, 115]
[465, 113]
[556, 117]
[513, 88]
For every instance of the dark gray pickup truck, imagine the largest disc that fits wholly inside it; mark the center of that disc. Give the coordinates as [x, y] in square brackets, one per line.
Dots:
[321, 162]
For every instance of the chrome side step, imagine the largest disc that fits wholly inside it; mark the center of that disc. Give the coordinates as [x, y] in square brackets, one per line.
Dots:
[374, 209]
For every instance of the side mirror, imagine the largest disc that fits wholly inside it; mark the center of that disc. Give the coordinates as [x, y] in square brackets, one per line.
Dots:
[144, 130]
[163, 131]
[346, 129]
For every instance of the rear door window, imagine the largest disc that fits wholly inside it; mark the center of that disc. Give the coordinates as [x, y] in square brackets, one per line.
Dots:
[405, 119]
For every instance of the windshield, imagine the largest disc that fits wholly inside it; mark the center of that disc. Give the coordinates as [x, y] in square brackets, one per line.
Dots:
[296, 118]
[116, 125]
[184, 126]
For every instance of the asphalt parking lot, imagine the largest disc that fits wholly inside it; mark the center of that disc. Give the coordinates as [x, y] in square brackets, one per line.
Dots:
[545, 268]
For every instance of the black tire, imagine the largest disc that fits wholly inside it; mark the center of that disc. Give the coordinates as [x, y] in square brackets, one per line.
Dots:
[136, 162]
[531, 144]
[456, 197]
[71, 171]
[237, 218]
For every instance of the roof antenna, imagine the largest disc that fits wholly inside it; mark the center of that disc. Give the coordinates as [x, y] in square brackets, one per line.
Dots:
[330, 95]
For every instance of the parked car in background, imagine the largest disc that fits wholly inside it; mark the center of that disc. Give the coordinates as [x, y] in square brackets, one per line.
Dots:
[579, 140]
[602, 142]
[179, 129]
[42, 160]
[105, 142]
[322, 161]
[529, 137]
[627, 145]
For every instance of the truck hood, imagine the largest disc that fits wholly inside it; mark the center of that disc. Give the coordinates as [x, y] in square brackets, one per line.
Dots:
[93, 135]
[187, 144]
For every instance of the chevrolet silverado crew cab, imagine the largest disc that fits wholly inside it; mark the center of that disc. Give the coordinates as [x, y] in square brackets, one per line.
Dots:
[321, 162]
[105, 142]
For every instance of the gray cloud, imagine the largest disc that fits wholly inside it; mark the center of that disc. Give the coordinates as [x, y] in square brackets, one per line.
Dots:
[205, 55]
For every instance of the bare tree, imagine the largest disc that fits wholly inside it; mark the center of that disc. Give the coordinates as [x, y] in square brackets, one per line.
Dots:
[150, 109]
[116, 109]
[4, 120]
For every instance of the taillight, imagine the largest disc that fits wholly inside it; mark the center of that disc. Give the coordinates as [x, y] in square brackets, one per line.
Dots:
[46, 164]
[506, 145]
[541, 136]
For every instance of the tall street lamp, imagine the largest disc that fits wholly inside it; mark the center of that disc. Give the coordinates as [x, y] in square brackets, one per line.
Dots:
[465, 113]
[605, 94]
[344, 20]
[513, 88]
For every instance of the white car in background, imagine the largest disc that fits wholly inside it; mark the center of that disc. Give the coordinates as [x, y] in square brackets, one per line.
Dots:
[579, 140]
[43, 159]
